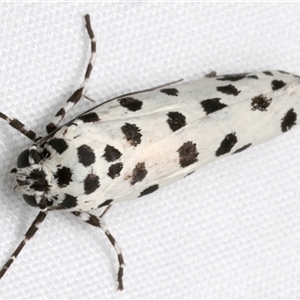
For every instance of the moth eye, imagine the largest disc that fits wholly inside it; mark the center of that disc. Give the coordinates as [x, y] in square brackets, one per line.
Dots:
[23, 162]
[23, 159]
[30, 200]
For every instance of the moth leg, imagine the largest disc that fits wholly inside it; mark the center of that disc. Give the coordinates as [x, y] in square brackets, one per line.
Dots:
[20, 127]
[80, 92]
[105, 211]
[98, 222]
[28, 235]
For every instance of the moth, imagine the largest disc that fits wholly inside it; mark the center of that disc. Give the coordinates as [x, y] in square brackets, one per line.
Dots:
[135, 144]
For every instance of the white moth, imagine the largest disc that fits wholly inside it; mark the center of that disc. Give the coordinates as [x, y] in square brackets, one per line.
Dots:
[131, 146]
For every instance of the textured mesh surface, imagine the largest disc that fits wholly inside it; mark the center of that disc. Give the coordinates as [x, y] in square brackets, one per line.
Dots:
[230, 230]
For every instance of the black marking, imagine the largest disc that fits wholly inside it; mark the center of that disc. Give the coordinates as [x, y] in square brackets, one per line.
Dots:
[132, 133]
[283, 72]
[232, 77]
[50, 127]
[89, 69]
[289, 120]
[15, 170]
[227, 144]
[111, 153]
[252, 76]
[176, 120]
[35, 156]
[63, 176]
[114, 170]
[138, 173]
[212, 105]
[242, 148]
[170, 91]
[86, 155]
[49, 202]
[260, 102]
[46, 153]
[91, 183]
[268, 73]
[69, 201]
[228, 90]
[106, 202]
[60, 145]
[187, 154]
[131, 103]
[75, 97]
[19, 126]
[277, 84]
[39, 180]
[212, 74]
[89, 118]
[149, 190]
[61, 113]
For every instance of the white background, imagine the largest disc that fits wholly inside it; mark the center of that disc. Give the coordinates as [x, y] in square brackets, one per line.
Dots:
[230, 230]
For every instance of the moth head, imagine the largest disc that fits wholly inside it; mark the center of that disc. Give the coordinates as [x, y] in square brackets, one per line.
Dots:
[31, 177]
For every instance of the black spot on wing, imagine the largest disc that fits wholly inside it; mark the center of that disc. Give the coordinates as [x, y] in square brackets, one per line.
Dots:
[242, 148]
[187, 154]
[170, 91]
[232, 77]
[114, 170]
[131, 103]
[132, 133]
[283, 72]
[111, 153]
[268, 73]
[289, 120]
[138, 173]
[91, 183]
[106, 202]
[86, 155]
[212, 105]
[91, 117]
[228, 90]
[176, 120]
[149, 190]
[69, 201]
[63, 176]
[260, 102]
[59, 145]
[227, 144]
[252, 77]
[277, 84]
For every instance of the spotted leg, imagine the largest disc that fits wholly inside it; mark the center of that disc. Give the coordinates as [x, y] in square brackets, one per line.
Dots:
[28, 235]
[20, 127]
[80, 92]
[98, 222]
